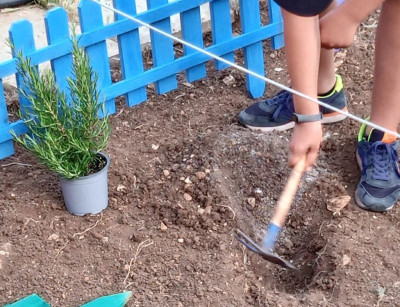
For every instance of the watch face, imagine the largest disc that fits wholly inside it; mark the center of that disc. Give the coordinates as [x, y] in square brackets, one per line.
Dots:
[304, 7]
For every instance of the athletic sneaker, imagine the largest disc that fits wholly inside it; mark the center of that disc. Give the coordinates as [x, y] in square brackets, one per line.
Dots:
[377, 157]
[276, 113]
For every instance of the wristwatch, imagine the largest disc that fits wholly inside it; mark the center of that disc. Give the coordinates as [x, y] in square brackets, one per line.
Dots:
[306, 118]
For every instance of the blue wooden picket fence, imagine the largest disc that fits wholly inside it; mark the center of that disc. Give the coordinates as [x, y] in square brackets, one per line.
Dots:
[166, 65]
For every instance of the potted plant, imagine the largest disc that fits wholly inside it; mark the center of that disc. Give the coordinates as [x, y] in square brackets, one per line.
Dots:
[68, 130]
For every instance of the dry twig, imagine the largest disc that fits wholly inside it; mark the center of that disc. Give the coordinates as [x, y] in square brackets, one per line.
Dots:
[61, 249]
[143, 244]
[90, 228]
[16, 163]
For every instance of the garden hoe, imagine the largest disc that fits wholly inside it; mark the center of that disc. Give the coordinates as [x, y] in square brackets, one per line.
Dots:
[277, 221]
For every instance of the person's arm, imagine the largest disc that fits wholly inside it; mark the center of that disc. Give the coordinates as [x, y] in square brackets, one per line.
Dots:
[302, 47]
[339, 26]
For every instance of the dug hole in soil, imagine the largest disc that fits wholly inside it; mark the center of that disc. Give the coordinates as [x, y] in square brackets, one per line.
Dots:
[183, 176]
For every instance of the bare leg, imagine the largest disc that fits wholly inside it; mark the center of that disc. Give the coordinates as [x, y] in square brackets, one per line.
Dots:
[339, 26]
[385, 109]
[326, 75]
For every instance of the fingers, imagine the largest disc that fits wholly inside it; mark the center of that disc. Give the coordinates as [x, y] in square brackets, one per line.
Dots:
[305, 142]
[311, 158]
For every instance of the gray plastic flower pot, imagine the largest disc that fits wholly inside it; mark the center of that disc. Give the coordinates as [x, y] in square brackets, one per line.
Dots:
[87, 195]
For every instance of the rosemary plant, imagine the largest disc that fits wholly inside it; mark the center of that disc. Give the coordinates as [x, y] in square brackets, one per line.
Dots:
[66, 130]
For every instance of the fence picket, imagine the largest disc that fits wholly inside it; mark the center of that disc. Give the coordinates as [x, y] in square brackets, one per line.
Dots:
[162, 49]
[6, 148]
[192, 32]
[221, 27]
[275, 16]
[253, 54]
[57, 30]
[130, 52]
[21, 36]
[90, 18]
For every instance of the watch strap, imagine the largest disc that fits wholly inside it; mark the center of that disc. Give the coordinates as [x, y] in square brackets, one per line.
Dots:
[306, 118]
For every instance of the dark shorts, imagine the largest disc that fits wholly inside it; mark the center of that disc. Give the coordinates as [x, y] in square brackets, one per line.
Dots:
[304, 7]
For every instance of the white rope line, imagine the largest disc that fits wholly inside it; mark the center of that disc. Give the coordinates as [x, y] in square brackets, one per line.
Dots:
[247, 71]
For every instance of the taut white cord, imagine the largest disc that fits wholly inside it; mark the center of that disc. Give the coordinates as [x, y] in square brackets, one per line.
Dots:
[247, 71]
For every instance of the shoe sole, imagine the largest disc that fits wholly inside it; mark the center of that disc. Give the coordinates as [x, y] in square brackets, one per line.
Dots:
[330, 118]
[357, 198]
[362, 206]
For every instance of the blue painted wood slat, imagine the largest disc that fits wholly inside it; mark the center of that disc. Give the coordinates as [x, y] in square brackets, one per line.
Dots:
[253, 54]
[57, 30]
[221, 28]
[275, 16]
[162, 49]
[22, 38]
[90, 17]
[192, 32]
[6, 148]
[19, 128]
[130, 52]
[190, 60]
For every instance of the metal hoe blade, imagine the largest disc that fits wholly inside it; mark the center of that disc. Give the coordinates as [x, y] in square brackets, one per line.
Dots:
[269, 256]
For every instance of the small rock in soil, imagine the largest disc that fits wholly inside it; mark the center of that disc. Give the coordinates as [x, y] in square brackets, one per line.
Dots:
[53, 237]
[346, 260]
[251, 201]
[229, 80]
[187, 197]
[163, 227]
[336, 204]
[288, 243]
[201, 175]
[121, 188]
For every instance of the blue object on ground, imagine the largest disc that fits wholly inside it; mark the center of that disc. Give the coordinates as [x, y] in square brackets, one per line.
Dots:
[33, 300]
[115, 300]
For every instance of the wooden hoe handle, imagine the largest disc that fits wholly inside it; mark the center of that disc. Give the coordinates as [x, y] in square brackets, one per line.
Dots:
[283, 206]
[288, 193]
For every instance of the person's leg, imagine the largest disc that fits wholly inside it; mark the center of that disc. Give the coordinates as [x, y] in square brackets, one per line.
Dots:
[326, 73]
[276, 113]
[377, 154]
[385, 109]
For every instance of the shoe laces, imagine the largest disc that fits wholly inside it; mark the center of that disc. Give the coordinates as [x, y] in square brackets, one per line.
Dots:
[284, 100]
[383, 158]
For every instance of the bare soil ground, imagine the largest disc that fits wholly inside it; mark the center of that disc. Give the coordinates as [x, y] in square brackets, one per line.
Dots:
[184, 176]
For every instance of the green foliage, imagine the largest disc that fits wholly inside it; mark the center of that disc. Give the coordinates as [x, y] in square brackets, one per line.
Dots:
[65, 134]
